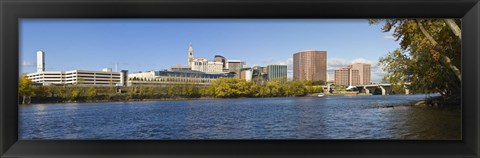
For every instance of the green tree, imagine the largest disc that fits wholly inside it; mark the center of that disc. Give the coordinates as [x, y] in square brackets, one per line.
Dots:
[92, 93]
[25, 89]
[75, 94]
[429, 56]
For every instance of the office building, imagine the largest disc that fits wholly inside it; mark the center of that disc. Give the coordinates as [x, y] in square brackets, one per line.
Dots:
[75, 77]
[352, 75]
[342, 76]
[364, 72]
[277, 72]
[79, 77]
[310, 65]
[203, 65]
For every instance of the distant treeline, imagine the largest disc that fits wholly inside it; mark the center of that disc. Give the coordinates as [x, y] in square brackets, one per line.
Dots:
[220, 88]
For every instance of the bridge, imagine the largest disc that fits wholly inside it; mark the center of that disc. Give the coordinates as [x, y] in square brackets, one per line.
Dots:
[386, 88]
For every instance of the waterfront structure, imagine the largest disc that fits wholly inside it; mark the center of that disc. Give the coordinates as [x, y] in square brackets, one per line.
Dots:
[235, 66]
[40, 61]
[354, 74]
[79, 77]
[277, 72]
[165, 77]
[310, 65]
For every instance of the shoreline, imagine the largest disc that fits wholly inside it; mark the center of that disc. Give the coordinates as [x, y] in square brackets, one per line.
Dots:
[203, 98]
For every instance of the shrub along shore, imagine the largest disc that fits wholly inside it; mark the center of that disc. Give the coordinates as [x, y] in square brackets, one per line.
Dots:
[220, 88]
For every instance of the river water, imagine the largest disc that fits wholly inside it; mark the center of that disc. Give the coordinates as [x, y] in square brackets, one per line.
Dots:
[330, 117]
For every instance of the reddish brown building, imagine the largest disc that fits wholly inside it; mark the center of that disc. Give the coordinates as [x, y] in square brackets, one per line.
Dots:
[310, 65]
[355, 74]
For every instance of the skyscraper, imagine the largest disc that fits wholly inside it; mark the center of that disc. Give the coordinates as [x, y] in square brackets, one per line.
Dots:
[40, 61]
[342, 76]
[363, 72]
[310, 65]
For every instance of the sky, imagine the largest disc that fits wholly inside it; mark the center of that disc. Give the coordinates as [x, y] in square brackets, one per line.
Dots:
[157, 44]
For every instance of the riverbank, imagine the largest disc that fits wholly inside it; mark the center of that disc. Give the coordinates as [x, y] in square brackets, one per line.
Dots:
[121, 99]
[440, 102]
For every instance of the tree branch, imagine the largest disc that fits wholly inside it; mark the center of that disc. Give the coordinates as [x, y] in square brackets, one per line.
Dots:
[454, 27]
[445, 58]
[429, 37]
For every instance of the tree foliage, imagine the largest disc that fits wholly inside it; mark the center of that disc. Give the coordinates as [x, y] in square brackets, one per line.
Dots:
[429, 56]
[25, 89]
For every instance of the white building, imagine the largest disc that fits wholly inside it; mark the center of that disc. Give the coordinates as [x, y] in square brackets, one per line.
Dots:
[75, 77]
[203, 65]
[78, 77]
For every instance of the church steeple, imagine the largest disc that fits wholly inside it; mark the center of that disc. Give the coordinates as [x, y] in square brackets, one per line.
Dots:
[190, 55]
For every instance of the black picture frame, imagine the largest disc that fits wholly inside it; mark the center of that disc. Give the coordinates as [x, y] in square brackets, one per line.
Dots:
[12, 10]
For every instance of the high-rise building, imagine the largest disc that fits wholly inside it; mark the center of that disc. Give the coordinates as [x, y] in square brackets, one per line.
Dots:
[342, 76]
[40, 61]
[310, 65]
[364, 72]
[355, 74]
[277, 72]
[190, 55]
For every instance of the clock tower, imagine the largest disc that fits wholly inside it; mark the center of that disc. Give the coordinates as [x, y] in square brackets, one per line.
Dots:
[190, 55]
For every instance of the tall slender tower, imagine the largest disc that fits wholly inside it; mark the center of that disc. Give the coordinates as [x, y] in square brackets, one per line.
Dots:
[40, 61]
[190, 55]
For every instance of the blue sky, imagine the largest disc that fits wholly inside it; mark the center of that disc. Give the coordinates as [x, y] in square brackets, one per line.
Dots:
[154, 44]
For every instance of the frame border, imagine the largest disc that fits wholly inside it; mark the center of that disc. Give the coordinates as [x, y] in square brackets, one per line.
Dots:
[12, 10]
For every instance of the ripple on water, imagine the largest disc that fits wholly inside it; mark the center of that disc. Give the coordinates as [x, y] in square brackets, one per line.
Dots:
[361, 117]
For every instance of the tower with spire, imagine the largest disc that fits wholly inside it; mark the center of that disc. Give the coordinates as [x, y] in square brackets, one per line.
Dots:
[190, 55]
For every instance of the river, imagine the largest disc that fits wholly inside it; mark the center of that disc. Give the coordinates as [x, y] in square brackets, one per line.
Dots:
[330, 117]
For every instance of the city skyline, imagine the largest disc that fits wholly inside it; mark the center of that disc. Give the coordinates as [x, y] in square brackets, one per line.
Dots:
[34, 36]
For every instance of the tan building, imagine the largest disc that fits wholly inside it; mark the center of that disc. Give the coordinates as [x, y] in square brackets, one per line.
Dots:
[355, 74]
[310, 65]
[364, 72]
[342, 76]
